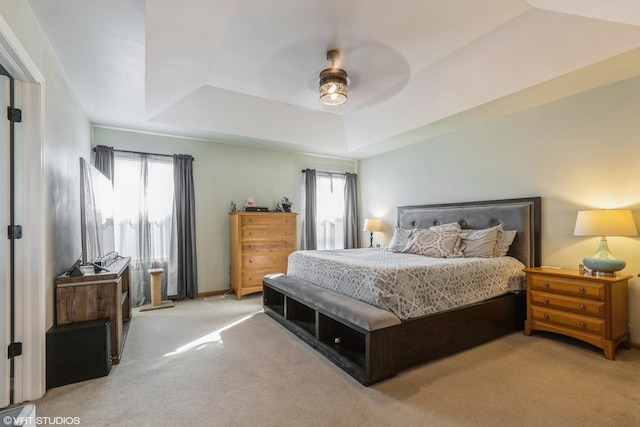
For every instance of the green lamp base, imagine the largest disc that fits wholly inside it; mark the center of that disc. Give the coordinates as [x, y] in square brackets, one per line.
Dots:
[603, 260]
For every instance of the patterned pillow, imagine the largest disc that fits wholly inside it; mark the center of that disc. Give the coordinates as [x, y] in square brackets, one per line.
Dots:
[399, 240]
[436, 244]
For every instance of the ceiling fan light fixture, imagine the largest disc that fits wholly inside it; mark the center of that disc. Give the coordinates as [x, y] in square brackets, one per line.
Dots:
[333, 82]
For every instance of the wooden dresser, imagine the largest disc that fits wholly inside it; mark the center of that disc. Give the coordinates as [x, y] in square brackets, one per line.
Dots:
[97, 296]
[590, 308]
[260, 245]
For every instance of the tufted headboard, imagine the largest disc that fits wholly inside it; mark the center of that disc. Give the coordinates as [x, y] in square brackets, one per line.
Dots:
[522, 215]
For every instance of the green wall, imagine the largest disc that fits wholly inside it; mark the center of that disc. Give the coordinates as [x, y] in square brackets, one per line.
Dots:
[579, 152]
[224, 173]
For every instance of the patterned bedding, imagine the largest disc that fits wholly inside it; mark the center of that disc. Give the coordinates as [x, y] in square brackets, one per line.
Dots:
[405, 284]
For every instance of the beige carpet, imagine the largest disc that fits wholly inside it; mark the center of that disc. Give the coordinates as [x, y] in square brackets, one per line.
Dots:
[223, 362]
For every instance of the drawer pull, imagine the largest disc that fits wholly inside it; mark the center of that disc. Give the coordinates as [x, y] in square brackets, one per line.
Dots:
[546, 285]
[581, 306]
[546, 300]
[546, 316]
[581, 290]
[582, 325]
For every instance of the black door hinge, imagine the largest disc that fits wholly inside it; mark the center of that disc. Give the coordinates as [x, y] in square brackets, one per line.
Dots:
[14, 232]
[15, 349]
[14, 114]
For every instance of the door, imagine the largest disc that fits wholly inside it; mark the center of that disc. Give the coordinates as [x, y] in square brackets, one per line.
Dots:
[5, 320]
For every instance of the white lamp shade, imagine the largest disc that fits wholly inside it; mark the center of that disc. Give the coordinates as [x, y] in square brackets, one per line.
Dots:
[605, 222]
[372, 224]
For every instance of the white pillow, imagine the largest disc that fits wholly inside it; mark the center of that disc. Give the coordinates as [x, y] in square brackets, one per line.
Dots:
[479, 243]
[452, 226]
[504, 241]
[436, 244]
[399, 240]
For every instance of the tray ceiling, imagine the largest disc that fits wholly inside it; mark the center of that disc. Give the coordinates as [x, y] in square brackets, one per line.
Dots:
[246, 72]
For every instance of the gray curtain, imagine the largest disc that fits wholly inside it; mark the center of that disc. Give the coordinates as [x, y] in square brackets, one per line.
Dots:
[309, 214]
[103, 160]
[351, 227]
[185, 220]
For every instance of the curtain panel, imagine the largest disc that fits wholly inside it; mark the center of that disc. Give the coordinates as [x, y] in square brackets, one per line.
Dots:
[351, 227]
[309, 211]
[103, 160]
[185, 225]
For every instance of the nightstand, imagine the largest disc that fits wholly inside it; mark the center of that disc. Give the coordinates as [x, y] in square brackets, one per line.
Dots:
[589, 308]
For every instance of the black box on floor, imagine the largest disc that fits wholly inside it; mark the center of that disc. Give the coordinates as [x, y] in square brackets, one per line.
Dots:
[77, 352]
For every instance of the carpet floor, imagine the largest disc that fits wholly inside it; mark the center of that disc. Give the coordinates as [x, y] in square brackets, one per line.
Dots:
[222, 362]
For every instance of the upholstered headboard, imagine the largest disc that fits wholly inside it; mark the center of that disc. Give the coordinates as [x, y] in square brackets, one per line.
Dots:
[522, 215]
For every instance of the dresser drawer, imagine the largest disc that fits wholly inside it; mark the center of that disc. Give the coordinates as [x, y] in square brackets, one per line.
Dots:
[569, 320]
[267, 220]
[271, 234]
[254, 278]
[579, 305]
[267, 247]
[262, 261]
[579, 288]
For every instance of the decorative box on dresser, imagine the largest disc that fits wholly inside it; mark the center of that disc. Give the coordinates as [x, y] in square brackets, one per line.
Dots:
[593, 309]
[260, 244]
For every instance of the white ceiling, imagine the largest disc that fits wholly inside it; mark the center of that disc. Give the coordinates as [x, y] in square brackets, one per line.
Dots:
[246, 72]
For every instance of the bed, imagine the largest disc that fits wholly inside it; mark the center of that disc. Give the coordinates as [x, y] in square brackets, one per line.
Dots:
[371, 340]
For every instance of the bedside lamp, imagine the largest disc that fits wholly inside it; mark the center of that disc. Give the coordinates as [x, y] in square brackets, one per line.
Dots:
[605, 222]
[371, 225]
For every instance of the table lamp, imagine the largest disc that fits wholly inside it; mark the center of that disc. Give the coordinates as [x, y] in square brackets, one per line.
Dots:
[371, 225]
[605, 222]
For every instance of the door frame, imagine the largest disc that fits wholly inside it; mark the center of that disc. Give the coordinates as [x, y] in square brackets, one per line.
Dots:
[5, 251]
[30, 250]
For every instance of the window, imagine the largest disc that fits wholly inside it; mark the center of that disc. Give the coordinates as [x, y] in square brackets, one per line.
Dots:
[143, 215]
[330, 211]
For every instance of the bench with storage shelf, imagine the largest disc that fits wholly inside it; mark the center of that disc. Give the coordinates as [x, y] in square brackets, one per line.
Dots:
[351, 341]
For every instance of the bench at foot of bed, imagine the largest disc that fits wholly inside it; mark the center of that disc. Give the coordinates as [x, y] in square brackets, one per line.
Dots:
[372, 344]
[355, 336]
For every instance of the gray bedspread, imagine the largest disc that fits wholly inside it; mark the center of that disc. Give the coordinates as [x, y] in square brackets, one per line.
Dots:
[405, 284]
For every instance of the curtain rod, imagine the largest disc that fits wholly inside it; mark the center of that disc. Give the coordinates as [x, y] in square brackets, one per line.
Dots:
[334, 173]
[141, 152]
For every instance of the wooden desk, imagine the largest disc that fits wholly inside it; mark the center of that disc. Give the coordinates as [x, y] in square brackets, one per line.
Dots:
[97, 296]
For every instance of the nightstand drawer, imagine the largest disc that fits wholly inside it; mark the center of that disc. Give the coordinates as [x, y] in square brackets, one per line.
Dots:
[569, 320]
[568, 286]
[562, 302]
